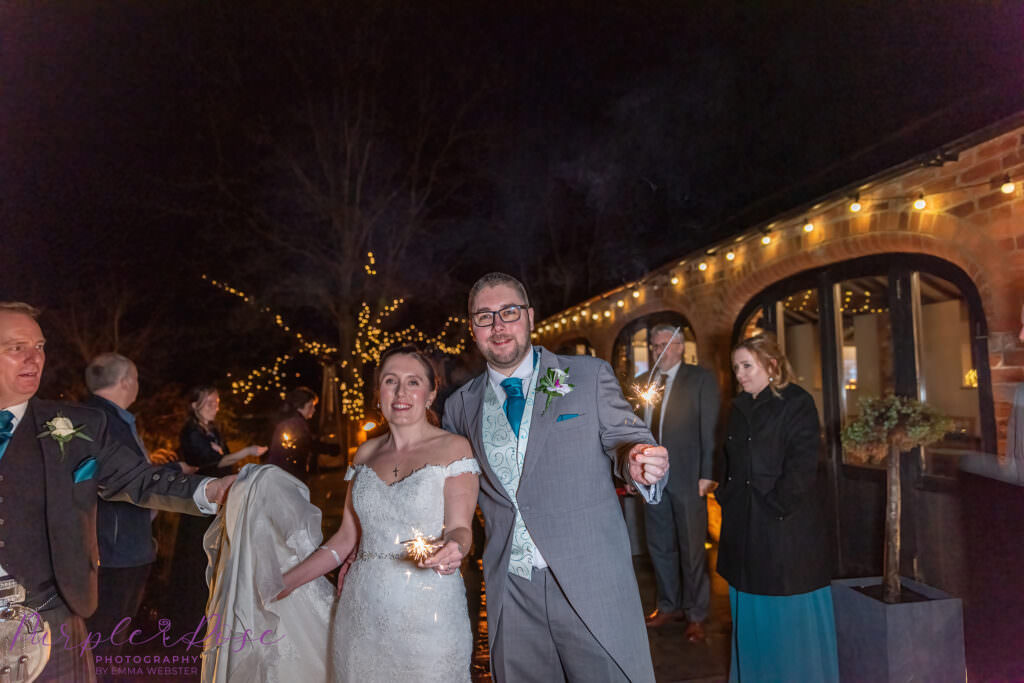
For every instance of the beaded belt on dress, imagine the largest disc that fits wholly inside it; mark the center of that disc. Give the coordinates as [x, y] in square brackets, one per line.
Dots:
[364, 555]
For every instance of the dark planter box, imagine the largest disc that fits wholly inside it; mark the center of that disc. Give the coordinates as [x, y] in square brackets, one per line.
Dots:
[909, 641]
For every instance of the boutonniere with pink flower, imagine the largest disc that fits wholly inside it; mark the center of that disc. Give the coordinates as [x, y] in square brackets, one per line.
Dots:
[554, 383]
[62, 430]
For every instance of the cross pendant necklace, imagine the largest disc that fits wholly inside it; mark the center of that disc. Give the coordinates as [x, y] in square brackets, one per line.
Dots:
[395, 471]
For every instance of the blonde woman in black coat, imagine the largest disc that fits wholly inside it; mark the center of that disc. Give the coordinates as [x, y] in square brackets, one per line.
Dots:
[773, 549]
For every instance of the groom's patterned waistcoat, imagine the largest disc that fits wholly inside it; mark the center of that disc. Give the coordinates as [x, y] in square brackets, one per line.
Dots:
[505, 454]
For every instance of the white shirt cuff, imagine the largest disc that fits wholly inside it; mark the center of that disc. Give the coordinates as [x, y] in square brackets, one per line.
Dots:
[649, 492]
[200, 499]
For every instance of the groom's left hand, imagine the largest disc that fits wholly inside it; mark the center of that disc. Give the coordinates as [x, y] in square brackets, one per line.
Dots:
[647, 463]
[447, 560]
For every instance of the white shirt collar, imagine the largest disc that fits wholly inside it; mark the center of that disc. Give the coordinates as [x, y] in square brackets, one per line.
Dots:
[671, 372]
[19, 412]
[523, 371]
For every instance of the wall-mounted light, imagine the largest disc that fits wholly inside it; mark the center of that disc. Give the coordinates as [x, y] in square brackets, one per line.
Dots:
[730, 255]
[703, 266]
[1007, 187]
[808, 226]
[920, 203]
[620, 303]
[636, 293]
[766, 240]
[855, 204]
[674, 280]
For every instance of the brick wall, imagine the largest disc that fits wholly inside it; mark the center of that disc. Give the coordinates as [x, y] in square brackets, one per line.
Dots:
[971, 224]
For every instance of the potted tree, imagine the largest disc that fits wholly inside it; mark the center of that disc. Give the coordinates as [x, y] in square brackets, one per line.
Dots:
[915, 634]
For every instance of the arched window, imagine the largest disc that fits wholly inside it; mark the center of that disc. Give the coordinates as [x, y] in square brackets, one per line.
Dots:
[631, 354]
[896, 323]
[576, 347]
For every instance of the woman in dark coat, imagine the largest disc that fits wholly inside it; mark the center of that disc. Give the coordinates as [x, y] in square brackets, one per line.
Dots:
[774, 550]
[201, 446]
[200, 443]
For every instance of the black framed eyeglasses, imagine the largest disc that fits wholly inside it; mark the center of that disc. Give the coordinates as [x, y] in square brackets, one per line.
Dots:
[509, 314]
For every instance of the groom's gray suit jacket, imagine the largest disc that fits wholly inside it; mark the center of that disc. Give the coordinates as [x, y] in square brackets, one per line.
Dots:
[567, 499]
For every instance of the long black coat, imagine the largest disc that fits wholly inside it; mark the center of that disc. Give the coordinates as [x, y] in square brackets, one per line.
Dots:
[773, 538]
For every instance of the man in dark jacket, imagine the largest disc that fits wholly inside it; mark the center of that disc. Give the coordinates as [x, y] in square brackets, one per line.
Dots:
[683, 421]
[123, 530]
[54, 459]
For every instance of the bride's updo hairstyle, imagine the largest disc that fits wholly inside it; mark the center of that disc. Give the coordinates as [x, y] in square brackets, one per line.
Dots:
[428, 371]
[766, 350]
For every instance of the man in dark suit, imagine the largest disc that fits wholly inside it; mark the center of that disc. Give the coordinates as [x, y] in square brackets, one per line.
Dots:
[55, 458]
[683, 421]
[123, 530]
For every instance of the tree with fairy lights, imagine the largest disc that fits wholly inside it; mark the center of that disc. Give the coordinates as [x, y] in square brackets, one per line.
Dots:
[344, 364]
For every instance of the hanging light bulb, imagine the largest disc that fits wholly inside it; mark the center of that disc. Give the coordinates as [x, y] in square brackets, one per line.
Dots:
[620, 303]
[1007, 187]
[636, 293]
[703, 266]
[855, 205]
[766, 240]
[920, 203]
[730, 255]
[674, 280]
[808, 226]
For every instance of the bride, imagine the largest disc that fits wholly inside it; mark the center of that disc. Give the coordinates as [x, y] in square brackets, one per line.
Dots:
[400, 619]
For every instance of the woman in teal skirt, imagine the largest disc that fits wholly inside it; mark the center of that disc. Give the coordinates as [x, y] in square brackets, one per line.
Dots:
[773, 549]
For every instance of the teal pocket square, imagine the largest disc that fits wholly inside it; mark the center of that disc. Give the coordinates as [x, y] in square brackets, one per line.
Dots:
[567, 416]
[85, 470]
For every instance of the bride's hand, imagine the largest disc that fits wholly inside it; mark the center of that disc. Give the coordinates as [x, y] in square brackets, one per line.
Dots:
[344, 569]
[447, 559]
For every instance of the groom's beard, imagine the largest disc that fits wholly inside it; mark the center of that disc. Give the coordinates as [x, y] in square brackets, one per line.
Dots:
[508, 356]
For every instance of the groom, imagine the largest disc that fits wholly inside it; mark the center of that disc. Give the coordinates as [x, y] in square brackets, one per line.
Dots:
[562, 597]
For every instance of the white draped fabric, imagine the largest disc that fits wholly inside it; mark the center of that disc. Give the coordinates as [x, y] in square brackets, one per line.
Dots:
[267, 526]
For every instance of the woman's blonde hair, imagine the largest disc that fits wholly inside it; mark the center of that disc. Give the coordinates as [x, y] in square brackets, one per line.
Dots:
[766, 350]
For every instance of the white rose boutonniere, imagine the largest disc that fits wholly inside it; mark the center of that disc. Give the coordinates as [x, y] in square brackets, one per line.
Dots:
[554, 383]
[62, 430]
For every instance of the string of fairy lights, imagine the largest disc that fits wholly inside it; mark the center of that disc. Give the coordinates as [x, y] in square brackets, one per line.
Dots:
[370, 340]
[604, 307]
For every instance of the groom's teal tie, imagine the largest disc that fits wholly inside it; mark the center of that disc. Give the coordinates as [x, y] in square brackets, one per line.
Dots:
[515, 402]
[7, 429]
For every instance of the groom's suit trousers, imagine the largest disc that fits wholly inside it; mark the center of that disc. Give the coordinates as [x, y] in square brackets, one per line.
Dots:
[541, 638]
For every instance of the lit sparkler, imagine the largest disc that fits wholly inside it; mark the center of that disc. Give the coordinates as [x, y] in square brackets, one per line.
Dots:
[651, 394]
[420, 547]
[648, 395]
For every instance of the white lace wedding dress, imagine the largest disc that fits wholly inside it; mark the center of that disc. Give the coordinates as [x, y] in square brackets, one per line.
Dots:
[395, 621]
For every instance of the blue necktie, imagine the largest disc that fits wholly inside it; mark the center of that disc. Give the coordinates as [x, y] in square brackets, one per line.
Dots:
[515, 402]
[7, 429]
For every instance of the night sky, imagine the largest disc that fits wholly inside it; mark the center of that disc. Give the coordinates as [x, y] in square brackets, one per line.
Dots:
[596, 141]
